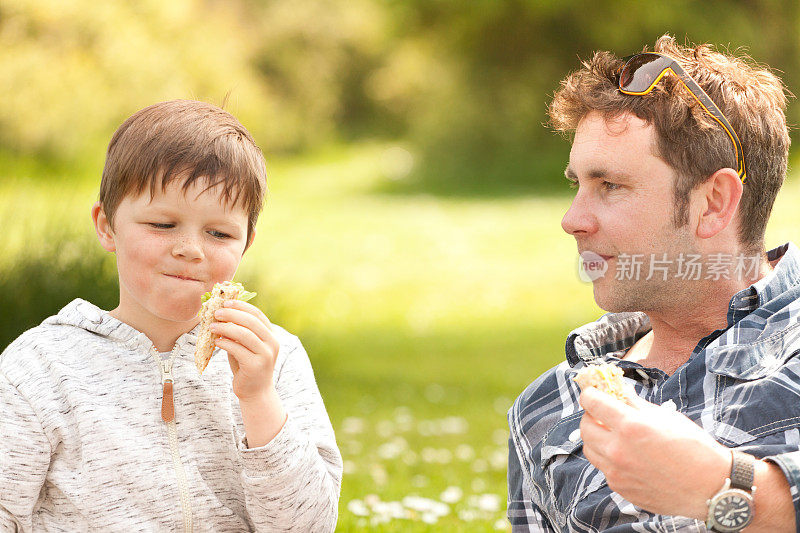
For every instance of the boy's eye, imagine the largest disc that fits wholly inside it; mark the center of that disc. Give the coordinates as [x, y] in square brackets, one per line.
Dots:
[160, 225]
[219, 234]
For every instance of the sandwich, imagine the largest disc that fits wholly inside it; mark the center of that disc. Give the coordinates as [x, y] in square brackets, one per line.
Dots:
[604, 376]
[212, 301]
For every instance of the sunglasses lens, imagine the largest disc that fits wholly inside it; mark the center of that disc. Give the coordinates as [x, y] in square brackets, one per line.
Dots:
[641, 71]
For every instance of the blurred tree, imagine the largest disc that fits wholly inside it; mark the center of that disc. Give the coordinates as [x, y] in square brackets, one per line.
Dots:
[477, 112]
[71, 71]
[466, 83]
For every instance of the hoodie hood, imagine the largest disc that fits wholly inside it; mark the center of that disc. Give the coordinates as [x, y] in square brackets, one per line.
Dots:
[87, 316]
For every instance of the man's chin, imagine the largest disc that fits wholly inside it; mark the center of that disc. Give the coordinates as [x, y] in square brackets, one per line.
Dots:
[612, 303]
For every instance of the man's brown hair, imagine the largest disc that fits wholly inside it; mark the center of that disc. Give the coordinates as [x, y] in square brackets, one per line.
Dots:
[688, 139]
[186, 140]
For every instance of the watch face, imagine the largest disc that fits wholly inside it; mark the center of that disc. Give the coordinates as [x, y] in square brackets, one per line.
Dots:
[732, 512]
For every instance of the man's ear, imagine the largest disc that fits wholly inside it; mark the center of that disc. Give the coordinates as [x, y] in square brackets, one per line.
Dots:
[102, 227]
[719, 200]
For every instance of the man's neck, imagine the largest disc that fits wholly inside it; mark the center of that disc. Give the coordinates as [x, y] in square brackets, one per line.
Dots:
[676, 332]
[668, 345]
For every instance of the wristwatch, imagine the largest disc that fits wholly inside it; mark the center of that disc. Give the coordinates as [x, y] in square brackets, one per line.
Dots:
[731, 509]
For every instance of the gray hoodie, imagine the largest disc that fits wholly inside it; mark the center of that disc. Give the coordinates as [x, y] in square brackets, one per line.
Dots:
[83, 445]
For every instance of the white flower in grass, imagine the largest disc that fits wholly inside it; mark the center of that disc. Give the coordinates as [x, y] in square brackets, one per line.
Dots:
[385, 428]
[437, 455]
[429, 518]
[478, 485]
[451, 495]
[454, 425]
[378, 473]
[409, 458]
[434, 393]
[501, 524]
[498, 459]
[488, 503]
[390, 510]
[393, 448]
[378, 519]
[467, 515]
[352, 425]
[426, 505]
[350, 467]
[419, 481]
[480, 465]
[372, 499]
[500, 436]
[404, 418]
[428, 455]
[464, 452]
[358, 508]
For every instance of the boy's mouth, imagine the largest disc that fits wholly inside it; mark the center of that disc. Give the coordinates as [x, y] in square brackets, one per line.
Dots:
[182, 277]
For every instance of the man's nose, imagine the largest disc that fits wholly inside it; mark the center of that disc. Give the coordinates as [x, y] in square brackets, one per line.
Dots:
[580, 218]
[188, 247]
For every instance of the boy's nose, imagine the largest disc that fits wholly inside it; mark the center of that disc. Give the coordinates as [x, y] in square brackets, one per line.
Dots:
[189, 249]
[579, 220]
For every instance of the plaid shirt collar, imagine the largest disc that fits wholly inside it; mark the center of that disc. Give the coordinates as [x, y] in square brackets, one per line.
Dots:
[729, 351]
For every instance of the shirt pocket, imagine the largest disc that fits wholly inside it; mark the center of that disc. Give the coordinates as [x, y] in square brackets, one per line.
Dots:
[568, 475]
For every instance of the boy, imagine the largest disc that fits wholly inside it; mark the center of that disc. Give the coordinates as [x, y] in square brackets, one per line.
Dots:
[107, 424]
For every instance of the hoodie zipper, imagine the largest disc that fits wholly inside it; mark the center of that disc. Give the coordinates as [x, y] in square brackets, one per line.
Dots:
[168, 415]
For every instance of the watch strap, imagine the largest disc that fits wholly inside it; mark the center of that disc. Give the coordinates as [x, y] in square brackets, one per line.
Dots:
[742, 471]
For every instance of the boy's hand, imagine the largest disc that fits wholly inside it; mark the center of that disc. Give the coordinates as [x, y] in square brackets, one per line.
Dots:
[246, 334]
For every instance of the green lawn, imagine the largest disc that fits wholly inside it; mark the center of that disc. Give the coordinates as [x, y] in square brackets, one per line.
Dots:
[424, 318]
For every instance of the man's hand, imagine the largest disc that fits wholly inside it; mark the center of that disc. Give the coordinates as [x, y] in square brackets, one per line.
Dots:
[653, 456]
[246, 334]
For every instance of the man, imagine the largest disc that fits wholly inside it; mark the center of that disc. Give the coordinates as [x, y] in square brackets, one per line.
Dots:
[677, 158]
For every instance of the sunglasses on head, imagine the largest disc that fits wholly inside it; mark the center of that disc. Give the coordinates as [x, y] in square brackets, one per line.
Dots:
[642, 72]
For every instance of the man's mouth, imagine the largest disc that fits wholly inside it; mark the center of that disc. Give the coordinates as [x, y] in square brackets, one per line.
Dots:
[596, 254]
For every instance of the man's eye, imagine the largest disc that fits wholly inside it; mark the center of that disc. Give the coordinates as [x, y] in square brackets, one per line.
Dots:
[610, 186]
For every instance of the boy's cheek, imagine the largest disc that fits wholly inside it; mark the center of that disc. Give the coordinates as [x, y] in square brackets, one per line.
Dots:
[225, 264]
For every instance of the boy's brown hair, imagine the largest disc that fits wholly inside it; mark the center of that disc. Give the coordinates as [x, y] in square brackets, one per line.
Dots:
[186, 140]
[688, 139]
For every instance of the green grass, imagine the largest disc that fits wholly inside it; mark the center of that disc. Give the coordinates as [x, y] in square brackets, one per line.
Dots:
[424, 316]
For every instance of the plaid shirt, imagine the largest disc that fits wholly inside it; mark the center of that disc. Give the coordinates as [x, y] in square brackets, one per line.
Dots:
[741, 384]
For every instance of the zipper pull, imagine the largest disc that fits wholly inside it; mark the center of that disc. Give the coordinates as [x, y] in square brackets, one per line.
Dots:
[167, 407]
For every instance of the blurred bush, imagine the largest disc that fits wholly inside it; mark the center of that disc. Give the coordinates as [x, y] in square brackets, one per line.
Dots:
[45, 277]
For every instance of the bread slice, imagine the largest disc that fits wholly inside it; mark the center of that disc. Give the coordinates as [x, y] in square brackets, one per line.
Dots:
[606, 377]
[212, 301]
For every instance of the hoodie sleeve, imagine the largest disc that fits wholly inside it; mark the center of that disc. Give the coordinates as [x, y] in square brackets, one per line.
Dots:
[292, 483]
[24, 459]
